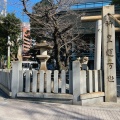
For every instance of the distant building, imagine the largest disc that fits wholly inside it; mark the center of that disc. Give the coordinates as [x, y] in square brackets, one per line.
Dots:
[93, 8]
[27, 41]
[82, 4]
[3, 7]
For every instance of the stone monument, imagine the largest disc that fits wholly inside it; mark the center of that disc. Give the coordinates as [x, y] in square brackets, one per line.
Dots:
[43, 57]
[109, 55]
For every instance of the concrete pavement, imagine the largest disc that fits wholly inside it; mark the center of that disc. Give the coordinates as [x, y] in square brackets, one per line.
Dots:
[11, 109]
[16, 109]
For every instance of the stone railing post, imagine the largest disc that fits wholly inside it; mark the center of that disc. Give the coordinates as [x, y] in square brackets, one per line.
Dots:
[76, 82]
[16, 67]
[109, 54]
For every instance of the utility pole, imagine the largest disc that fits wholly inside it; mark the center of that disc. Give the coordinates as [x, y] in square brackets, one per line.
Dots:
[5, 8]
[8, 58]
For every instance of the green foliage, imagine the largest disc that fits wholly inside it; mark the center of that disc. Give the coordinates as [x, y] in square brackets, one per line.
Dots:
[116, 2]
[9, 26]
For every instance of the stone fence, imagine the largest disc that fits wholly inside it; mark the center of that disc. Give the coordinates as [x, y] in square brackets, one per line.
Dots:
[79, 86]
[5, 80]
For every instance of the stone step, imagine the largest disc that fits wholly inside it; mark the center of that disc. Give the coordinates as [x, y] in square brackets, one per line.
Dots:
[47, 97]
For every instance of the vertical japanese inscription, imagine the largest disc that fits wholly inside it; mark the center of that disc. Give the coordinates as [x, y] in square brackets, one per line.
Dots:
[109, 51]
[109, 38]
[109, 61]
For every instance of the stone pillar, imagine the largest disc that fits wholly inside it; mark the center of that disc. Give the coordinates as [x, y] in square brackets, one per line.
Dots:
[98, 38]
[16, 67]
[76, 82]
[108, 53]
[43, 65]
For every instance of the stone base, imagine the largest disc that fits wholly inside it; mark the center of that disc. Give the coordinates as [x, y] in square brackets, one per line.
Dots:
[92, 98]
[47, 97]
[85, 99]
[92, 101]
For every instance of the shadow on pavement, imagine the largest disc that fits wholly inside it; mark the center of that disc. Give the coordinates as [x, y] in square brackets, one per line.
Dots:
[3, 94]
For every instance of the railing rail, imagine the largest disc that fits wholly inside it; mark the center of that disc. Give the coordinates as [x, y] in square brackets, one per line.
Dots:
[45, 82]
[74, 85]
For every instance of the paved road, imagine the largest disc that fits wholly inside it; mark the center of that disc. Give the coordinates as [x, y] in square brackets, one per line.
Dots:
[11, 109]
[14, 109]
[24, 110]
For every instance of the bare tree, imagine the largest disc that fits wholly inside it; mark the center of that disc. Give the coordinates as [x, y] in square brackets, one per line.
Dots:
[55, 22]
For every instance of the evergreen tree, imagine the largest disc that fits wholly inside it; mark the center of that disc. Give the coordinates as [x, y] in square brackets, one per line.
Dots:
[116, 2]
[9, 26]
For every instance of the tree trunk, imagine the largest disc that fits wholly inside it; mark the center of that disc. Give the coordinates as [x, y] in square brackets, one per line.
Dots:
[57, 56]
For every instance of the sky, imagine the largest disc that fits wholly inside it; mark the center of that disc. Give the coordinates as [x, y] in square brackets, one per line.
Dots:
[15, 6]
